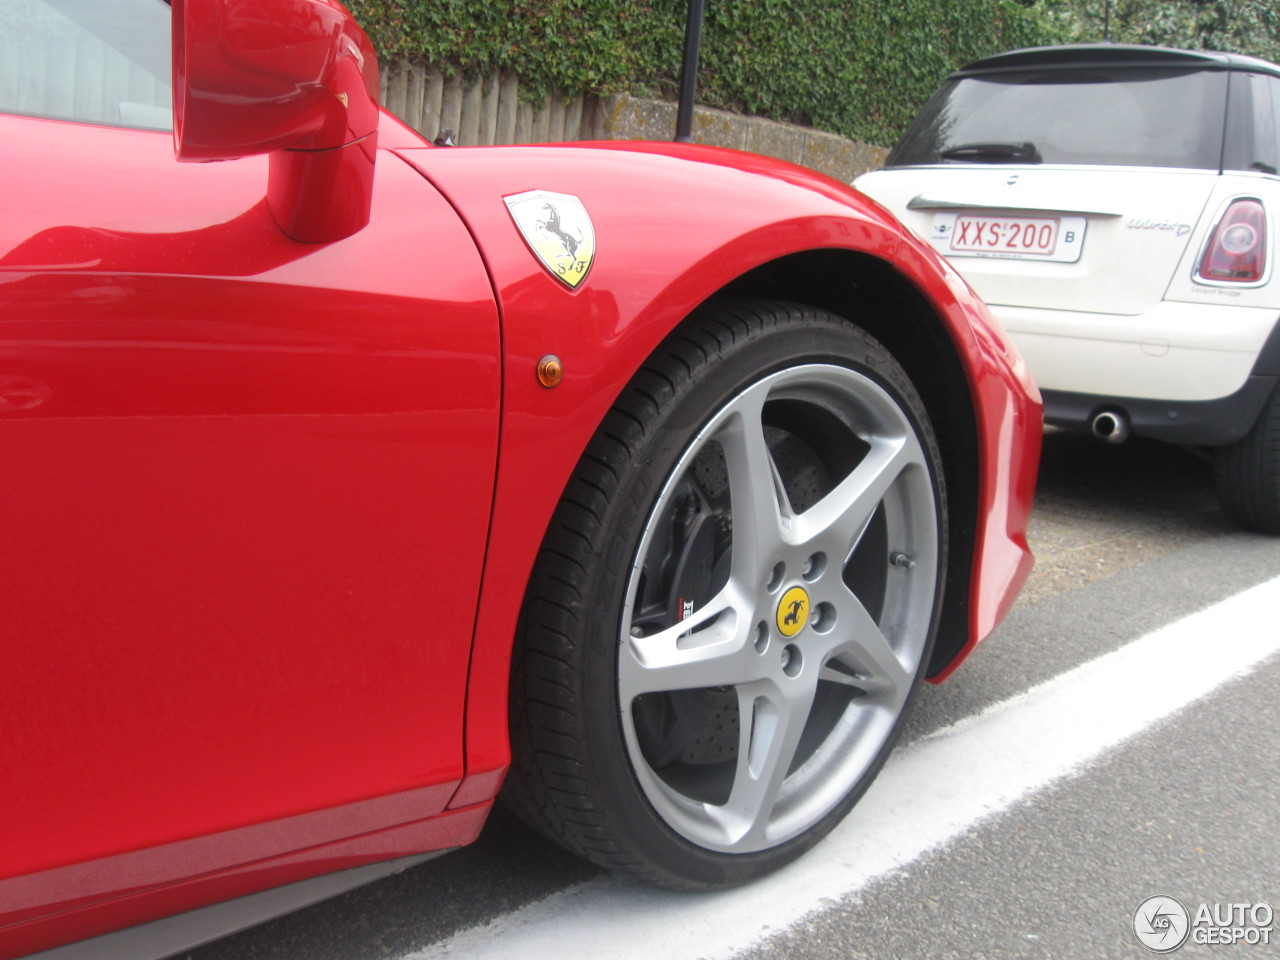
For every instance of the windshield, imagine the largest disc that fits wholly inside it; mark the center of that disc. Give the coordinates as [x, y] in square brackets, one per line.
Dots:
[95, 61]
[1129, 117]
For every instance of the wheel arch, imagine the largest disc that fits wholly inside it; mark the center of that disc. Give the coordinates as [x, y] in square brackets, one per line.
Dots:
[873, 294]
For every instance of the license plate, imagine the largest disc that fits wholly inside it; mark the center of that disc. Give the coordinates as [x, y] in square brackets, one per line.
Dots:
[1057, 239]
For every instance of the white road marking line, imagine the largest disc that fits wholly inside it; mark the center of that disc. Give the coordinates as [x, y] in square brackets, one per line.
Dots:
[930, 792]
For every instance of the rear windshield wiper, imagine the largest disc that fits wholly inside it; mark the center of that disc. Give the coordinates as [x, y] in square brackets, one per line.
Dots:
[993, 153]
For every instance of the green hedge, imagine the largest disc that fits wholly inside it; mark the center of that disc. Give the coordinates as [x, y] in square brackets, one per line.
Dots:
[1236, 26]
[856, 67]
[861, 68]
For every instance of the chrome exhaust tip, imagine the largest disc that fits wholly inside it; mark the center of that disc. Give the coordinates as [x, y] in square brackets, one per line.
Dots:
[1110, 426]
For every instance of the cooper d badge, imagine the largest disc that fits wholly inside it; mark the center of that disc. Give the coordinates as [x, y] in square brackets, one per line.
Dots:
[558, 230]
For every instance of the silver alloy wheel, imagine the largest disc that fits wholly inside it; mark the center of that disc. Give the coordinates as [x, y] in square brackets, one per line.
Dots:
[772, 713]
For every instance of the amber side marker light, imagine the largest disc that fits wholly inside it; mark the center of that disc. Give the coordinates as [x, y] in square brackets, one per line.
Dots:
[550, 370]
[1237, 251]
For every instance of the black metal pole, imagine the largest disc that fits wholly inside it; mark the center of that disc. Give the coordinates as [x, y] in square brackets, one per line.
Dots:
[1106, 22]
[689, 72]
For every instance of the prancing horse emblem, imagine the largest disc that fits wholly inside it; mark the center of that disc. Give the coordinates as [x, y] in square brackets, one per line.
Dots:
[558, 230]
[552, 226]
[793, 612]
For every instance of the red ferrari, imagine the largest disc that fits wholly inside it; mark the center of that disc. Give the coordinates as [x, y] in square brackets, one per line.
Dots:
[352, 481]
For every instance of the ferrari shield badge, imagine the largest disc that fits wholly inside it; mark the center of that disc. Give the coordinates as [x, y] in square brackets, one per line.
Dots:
[558, 230]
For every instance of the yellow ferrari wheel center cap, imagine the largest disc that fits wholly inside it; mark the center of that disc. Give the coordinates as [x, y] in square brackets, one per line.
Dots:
[793, 612]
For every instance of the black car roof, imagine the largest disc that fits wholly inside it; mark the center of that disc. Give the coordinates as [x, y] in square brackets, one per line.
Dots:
[1086, 55]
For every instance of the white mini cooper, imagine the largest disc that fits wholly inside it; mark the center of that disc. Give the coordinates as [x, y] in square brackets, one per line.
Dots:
[1115, 206]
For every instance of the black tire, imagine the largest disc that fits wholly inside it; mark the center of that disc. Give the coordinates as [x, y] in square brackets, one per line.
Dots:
[811, 615]
[1247, 473]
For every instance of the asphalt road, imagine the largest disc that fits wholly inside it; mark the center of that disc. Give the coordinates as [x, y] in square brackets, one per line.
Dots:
[1129, 541]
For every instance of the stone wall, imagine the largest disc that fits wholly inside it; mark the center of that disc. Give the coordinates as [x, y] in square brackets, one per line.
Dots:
[631, 118]
[491, 112]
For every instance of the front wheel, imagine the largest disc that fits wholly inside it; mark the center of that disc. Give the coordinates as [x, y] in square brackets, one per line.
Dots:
[734, 604]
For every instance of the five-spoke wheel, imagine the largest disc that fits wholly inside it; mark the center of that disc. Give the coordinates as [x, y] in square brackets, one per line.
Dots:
[736, 601]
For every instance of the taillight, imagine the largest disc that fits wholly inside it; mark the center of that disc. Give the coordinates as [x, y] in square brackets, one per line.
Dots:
[1237, 250]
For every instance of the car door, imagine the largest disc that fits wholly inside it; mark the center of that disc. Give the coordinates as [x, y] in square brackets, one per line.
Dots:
[244, 491]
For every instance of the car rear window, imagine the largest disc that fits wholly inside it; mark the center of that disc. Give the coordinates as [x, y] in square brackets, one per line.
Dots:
[1150, 117]
[1253, 124]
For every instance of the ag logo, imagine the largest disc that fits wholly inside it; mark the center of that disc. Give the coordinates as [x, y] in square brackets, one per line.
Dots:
[1161, 924]
[558, 230]
[793, 612]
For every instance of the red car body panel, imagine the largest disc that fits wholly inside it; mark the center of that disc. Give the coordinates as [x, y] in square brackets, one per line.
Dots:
[741, 211]
[245, 500]
[645, 279]
[282, 500]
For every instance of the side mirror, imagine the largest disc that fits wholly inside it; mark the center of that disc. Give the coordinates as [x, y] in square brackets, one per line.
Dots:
[296, 79]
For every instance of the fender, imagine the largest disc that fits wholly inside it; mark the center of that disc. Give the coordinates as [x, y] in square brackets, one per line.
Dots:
[639, 287]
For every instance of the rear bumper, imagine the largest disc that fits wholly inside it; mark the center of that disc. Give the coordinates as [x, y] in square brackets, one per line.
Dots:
[1205, 387]
[1182, 352]
[1208, 423]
